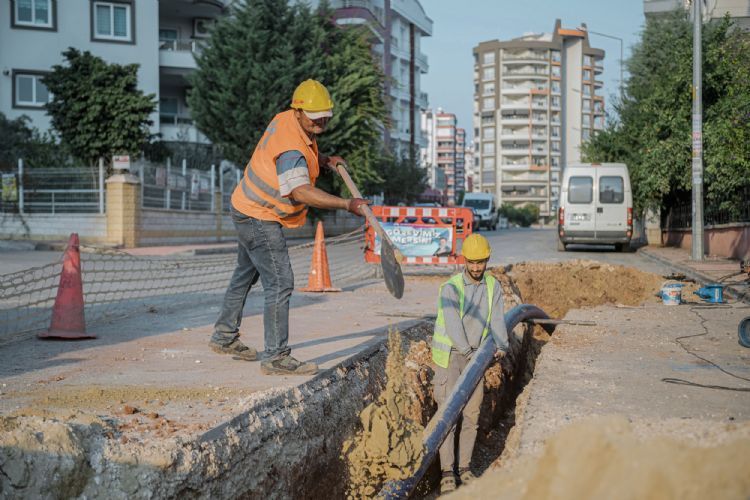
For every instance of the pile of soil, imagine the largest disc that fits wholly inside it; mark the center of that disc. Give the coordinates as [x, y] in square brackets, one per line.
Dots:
[389, 446]
[557, 288]
[604, 457]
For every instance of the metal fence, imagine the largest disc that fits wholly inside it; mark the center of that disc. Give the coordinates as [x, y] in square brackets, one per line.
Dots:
[680, 215]
[176, 187]
[58, 190]
[53, 190]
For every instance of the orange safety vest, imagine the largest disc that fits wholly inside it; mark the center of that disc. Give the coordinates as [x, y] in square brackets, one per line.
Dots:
[257, 195]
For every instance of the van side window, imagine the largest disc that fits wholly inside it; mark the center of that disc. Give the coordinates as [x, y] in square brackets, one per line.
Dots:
[580, 189]
[611, 189]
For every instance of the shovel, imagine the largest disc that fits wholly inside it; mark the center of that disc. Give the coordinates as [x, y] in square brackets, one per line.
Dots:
[390, 257]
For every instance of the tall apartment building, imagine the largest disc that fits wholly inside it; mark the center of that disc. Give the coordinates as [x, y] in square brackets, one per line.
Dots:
[397, 28]
[472, 169]
[159, 36]
[738, 10]
[444, 154]
[536, 99]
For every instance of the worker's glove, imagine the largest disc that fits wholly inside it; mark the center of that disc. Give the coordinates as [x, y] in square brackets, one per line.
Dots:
[330, 162]
[354, 205]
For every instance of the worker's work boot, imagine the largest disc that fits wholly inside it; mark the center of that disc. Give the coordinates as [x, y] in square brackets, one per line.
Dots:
[466, 476]
[287, 365]
[237, 349]
[447, 483]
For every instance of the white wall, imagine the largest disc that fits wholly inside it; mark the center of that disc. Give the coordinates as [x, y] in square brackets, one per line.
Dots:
[40, 227]
[39, 50]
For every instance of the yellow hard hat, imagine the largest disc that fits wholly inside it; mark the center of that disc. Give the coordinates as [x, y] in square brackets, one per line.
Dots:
[476, 247]
[313, 98]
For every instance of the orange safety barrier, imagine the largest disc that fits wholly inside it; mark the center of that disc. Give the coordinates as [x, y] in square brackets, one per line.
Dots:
[460, 220]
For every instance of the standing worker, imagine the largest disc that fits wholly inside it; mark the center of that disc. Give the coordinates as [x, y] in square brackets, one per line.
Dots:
[470, 306]
[277, 187]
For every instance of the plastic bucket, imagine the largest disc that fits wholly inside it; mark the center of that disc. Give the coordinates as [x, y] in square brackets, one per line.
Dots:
[671, 294]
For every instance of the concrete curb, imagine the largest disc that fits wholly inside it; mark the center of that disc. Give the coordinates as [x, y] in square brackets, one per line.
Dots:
[732, 291]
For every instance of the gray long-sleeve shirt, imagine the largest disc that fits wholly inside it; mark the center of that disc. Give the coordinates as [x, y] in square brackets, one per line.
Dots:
[466, 332]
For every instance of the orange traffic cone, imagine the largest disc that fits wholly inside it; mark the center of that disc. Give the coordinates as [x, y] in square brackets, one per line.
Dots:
[319, 279]
[67, 314]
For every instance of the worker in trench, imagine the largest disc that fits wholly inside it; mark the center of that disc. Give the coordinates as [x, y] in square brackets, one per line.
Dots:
[277, 187]
[470, 307]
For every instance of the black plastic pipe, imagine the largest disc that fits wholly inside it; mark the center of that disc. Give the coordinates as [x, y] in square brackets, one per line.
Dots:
[444, 420]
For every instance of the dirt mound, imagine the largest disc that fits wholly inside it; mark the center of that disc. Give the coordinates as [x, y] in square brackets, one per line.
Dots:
[557, 288]
[604, 457]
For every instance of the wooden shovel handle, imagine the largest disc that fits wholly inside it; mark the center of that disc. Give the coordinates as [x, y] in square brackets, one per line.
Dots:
[341, 168]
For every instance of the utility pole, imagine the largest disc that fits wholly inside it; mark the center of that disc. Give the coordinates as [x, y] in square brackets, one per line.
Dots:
[622, 82]
[697, 164]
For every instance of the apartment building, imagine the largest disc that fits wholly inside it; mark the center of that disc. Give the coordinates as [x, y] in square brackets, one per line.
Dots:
[472, 169]
[159, 36]
[536, 99]
[444, 154]
[738, 10]
[397, 28]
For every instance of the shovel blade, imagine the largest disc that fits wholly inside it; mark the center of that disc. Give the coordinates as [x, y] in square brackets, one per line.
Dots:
[394, 278]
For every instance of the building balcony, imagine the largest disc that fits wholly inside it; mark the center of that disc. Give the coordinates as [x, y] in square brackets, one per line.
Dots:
[421, 60]
[514, 151]
[178, 53]
[515, 120]
[519, 137]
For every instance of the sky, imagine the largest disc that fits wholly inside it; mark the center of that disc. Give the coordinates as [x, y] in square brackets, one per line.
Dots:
[458, 26]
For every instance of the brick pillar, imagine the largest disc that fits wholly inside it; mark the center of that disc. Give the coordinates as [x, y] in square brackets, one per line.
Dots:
[123, 210]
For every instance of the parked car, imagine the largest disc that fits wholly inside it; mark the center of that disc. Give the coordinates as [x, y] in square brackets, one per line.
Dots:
[596, 206]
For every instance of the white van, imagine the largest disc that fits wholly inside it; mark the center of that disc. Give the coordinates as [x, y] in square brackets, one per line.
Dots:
[484, 205]
[596, 206]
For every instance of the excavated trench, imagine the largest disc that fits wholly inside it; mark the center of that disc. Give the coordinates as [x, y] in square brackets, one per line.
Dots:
[290, 443]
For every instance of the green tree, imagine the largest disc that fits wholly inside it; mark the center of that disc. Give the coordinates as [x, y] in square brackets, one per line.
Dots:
[524, 216]
[254, 60]
[97, 107]
[19, 140]
[402, 180]
[652, 132]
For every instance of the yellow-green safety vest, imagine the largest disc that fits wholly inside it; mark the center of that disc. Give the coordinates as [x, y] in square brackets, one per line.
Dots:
[441, 343]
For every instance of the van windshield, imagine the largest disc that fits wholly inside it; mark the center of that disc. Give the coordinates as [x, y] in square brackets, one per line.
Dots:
[611, 189]
[478, 204]
[580, 189]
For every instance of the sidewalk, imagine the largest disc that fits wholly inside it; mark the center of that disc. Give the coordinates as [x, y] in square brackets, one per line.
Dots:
[710, 270]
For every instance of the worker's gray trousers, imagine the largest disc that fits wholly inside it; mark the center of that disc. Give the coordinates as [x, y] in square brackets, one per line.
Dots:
[444, 380]
[262, 252]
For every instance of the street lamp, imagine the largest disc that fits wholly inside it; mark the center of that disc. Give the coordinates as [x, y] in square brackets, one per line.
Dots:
[621, 57]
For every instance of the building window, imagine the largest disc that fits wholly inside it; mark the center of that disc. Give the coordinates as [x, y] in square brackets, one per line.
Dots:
[555, 56]
[556, 101]
[555, 87]
[587, 104]
[587, 90]
[488, 104]
[34, 14]
[488, 148]
[488, 133]
[488, 163]
[556, 71]
[29, 91]
[488, 58]
[489, 88]
[587, 60]
[585, 134]
[587, 75]
[488, 73]
[488, 120]
[112, 21]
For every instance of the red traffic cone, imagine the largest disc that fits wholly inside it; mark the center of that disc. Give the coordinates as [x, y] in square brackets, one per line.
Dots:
[67, 314]
[319, 279]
